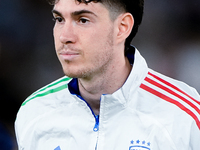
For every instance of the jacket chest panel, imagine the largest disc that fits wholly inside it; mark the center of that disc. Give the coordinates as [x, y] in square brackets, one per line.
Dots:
[132, 130]
[70, 127]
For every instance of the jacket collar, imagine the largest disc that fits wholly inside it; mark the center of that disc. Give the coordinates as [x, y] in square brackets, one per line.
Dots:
[135, 78]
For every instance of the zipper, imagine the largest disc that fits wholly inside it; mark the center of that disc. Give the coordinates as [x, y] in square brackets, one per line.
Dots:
[73, 88]
[96, 126]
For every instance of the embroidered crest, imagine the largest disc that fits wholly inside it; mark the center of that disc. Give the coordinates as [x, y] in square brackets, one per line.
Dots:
[140, 145]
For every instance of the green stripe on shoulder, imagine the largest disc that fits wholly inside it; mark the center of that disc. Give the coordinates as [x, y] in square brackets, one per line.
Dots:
[64, 79]
[40, 92]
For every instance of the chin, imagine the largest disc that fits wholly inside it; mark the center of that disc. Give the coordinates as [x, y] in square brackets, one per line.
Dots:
[71, 75]
[74, 74]
[77, 71]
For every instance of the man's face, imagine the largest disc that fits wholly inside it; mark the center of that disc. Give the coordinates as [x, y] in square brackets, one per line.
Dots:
[83, 37]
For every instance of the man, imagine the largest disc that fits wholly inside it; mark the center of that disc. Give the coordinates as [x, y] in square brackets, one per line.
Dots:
[113, 101]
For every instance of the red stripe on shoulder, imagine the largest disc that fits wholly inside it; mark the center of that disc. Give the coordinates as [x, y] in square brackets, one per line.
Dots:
[164, 97]
[172, 86]
[173, 93]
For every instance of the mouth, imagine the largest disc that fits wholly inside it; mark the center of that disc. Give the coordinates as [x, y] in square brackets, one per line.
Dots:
[68, 55]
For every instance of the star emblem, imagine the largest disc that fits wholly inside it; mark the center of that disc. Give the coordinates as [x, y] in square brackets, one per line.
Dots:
[143, 142]
[138, 141]
[132, 142]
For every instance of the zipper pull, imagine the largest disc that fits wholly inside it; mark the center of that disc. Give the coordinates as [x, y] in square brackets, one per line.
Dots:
[96, 127]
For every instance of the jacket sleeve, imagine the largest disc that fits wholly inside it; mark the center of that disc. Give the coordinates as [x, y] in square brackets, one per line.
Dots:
[195, 127]
[195, 137]
[18, 125]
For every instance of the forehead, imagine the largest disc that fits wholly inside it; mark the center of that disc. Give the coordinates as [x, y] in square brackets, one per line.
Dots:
[70, 6]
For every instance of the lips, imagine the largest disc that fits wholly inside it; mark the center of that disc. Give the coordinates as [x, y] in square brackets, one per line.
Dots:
[68, 55]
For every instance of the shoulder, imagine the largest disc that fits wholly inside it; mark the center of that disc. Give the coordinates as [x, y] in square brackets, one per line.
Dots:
[49, 90]
[173, 97]
[174, 105]
[43, 101]
[157, 83]
[48, 95]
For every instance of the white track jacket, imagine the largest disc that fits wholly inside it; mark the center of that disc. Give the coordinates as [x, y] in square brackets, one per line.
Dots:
[149, 112]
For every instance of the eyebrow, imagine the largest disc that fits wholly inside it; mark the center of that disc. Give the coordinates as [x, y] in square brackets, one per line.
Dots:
[75, 13]
[56, 12]
[80, 12]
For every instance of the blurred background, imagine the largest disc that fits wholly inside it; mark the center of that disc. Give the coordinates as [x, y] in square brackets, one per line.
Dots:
[169, 39]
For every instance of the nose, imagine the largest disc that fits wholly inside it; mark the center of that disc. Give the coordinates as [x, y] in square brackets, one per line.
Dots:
[67, 34]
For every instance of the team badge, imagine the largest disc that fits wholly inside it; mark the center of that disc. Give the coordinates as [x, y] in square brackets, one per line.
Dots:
[140, 145]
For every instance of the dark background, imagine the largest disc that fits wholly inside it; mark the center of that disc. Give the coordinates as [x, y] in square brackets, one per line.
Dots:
[169, 39]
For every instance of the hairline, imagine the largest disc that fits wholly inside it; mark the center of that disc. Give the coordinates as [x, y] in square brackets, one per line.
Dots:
[113, 14]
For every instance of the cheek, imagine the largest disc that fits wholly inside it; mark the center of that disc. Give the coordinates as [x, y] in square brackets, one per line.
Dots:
[101, 49]
[94, 41]
[55, 35]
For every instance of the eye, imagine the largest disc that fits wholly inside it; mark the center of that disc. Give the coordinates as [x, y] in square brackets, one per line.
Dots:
[83, 20]
[58, 19]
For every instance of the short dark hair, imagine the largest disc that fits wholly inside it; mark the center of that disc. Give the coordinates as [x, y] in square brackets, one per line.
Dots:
[135, 7]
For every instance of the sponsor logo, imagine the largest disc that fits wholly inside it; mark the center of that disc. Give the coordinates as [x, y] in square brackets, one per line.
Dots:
[57, 148]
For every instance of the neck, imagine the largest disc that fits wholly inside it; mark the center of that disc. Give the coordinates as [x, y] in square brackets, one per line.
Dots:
[106, 83]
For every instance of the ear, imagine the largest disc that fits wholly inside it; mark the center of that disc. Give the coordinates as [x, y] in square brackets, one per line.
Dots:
[125, 25]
